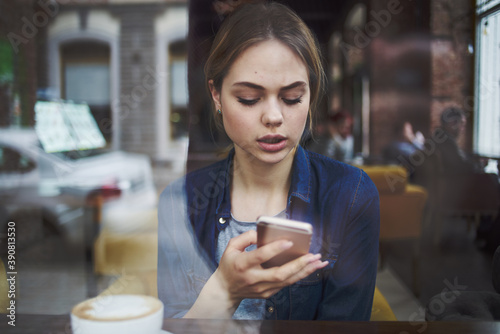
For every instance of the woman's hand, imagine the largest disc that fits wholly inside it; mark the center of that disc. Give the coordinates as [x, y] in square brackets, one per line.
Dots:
[240, 275]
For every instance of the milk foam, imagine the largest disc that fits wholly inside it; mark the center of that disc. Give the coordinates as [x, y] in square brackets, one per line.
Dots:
[118, 308]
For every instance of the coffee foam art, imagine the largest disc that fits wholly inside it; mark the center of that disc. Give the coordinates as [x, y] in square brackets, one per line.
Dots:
[120, 314]
[116, 308]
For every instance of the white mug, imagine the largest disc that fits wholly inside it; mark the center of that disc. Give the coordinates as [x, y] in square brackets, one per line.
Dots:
[120, 314]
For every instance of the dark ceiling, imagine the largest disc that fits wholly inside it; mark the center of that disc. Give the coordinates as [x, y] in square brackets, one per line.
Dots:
[322, 16]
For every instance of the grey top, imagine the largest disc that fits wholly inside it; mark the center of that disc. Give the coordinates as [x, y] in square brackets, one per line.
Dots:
[253, 309]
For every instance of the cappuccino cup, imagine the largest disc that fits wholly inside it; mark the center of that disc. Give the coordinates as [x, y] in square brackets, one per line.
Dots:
[123, 314]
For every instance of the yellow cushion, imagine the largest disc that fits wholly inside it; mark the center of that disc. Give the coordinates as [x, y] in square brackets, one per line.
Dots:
[387, 179]
[117, 253]
[381, 310]
[127, 243]
[401, 214]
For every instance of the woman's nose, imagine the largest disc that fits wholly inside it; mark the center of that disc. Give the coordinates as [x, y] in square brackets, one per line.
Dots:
[272, 114]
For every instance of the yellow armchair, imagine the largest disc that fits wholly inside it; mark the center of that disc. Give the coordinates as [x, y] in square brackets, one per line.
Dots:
[401, 208]
[401, 204]
[381, 310]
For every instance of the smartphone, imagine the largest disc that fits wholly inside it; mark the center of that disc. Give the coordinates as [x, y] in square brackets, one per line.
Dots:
[270, 229]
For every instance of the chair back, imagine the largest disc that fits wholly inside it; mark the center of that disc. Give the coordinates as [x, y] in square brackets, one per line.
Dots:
[381, 310]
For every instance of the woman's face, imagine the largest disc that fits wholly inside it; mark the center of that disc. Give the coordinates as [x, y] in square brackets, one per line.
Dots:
[265, 102]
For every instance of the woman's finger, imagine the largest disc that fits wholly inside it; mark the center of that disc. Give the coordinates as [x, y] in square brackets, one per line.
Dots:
[266, 252]
[279, 277]
[242, 241]
[300, 268]
[294, 270]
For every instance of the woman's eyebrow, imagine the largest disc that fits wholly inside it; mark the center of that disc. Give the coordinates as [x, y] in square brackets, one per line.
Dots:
[258, 87]
[296, 84]
[249, 85]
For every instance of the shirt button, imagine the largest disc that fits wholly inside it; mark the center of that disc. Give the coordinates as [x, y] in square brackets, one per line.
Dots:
[270, 309]
[222, 221]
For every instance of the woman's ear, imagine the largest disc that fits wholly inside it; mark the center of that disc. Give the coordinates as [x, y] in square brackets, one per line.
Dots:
[215, 94]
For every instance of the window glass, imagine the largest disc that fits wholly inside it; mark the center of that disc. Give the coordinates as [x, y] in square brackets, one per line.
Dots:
[487, 116]
[88, 82]
[179, 83]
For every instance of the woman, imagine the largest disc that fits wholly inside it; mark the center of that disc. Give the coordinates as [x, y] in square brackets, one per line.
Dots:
[264, 74]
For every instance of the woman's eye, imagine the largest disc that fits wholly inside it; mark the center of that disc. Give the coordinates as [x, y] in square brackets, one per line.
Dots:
[293, 101]
[247, 102]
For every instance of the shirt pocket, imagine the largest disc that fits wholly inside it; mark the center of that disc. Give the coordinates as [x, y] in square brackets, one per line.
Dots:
[305, 296]
[317, 276]
[314, 278]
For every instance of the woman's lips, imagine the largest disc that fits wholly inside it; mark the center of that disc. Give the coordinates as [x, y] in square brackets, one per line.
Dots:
[272, 143]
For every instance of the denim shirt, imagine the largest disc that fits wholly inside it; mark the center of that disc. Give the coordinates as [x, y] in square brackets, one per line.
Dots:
[339, 200]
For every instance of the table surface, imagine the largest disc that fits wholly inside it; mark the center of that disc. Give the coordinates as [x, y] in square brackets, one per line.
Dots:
[45, 324]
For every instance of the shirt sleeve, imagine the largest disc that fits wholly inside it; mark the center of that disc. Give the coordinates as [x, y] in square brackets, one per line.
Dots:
[349, 286]
[182, 271]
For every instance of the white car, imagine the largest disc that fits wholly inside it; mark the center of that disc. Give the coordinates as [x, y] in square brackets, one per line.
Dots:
[59, 184]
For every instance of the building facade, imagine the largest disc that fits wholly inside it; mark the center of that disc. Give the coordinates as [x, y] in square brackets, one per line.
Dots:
[126, 59]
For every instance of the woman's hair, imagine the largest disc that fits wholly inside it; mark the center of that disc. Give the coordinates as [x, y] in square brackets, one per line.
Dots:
[451, 115]
[254, 23]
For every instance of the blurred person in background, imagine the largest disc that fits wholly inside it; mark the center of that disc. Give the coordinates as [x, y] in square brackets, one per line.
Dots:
[336, 141]
[458, 167]
[453, 159]
[406, 143]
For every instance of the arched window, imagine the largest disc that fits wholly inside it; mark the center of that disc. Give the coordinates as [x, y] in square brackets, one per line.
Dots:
[86, 78]
[84, 66]
[171, 94]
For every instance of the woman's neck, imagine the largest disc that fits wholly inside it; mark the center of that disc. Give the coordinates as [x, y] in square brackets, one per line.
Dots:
[259, 175]
[258, 188]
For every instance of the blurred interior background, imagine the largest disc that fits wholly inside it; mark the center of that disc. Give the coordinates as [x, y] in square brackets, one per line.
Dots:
[103, 103]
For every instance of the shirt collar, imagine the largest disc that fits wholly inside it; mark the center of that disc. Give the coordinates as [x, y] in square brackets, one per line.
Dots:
[301, 176]
[224, 202]
[300, 184]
